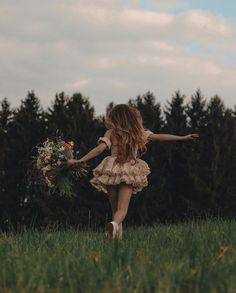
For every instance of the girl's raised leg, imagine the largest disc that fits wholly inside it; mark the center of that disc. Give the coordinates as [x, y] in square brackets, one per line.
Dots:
[124, 196]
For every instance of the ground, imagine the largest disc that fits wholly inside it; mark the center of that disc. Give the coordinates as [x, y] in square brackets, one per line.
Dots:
[191, 257]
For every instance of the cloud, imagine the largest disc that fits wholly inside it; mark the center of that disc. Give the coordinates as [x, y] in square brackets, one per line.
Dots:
[103, 63]
[78, 85]
[168, 4]
[119, 84]
[110, 49]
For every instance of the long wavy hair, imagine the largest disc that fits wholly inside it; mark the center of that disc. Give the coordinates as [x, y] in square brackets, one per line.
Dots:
[127, 127]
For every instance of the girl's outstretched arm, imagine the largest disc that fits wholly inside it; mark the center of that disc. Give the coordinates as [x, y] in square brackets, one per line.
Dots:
[170, 137]
[92, 153]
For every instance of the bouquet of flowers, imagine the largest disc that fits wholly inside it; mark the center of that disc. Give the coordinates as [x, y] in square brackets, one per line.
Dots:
[51, 162]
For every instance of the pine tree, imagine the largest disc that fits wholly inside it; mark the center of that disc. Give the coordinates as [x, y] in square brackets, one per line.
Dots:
[5, 118]
[196, 112]
[110, 106]
[25, 131]
[73, 118]
[197, 123]
[148, 202]
[213, 148]
[57, 115]
[227, 186]
[149, 109]
[175, 169]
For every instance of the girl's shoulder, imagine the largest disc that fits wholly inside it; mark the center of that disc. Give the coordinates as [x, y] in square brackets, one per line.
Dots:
[110, 135]
[110, 139]
[106, 139]
[148, 132]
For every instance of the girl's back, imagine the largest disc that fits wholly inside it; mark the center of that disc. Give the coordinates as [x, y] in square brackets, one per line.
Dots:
[126, 132]
[114, 144]
[126, 138]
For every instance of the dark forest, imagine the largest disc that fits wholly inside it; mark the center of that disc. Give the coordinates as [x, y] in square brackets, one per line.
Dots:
[194, 179]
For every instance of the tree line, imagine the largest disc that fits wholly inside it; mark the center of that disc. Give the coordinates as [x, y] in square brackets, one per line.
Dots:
[188, 179]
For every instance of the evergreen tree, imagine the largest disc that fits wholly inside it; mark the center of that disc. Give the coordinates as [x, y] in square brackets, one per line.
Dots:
[25, 131]
[5, 114]
[148, 202]
[73, 117]
[196, 112]
[57, 115]
[176, 121]
[197, 123]
[213, 149]
[5, 118]
[227, 186]
[220, 155]
[175, 169]
[110, 106]
[150, 111]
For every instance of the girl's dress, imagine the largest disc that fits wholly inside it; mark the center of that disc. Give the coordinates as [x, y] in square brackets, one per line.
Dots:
[109, 172]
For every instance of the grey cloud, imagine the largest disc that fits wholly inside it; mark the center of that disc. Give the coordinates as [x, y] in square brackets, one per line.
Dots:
[110, 51]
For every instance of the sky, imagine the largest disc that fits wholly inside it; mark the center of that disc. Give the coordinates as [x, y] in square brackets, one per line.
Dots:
[112, 50]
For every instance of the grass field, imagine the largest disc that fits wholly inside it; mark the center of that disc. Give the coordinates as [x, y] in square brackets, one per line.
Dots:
[191, 257]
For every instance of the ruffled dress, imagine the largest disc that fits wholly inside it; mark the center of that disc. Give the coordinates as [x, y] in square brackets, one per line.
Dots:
[109, 172]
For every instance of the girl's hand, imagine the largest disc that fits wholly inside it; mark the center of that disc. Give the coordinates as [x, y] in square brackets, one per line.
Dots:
[72, 161]
[191, 136]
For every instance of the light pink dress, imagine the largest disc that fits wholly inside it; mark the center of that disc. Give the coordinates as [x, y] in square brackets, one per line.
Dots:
[109, 172]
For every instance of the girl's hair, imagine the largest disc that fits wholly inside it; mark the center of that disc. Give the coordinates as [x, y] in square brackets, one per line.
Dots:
[127, 127]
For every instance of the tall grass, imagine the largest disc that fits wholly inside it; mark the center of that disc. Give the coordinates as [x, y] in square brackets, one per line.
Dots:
[192, 257]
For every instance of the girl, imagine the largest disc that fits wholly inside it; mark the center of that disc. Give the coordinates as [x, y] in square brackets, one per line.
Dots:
[123, 173]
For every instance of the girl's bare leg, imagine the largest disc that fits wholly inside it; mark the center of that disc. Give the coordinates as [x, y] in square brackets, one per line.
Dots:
[124, 196]
[113, 199]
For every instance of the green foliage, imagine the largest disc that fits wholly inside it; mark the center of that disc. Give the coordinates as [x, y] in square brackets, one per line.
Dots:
[66, 177]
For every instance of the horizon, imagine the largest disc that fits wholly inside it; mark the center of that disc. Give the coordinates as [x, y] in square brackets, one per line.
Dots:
[163, 104]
